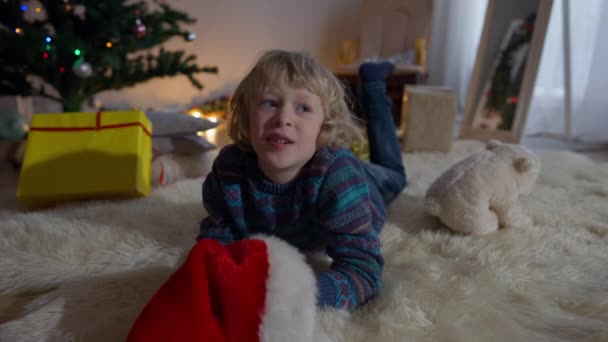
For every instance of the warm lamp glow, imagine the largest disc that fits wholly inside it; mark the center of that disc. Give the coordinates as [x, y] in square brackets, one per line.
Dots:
[194, 112]
[210, 134]
[216, 135]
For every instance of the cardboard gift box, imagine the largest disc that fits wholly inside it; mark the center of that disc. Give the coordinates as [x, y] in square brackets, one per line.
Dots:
[428, 116]
[73, 156]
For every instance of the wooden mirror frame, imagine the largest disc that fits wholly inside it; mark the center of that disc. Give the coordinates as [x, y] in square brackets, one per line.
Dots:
[492, 38]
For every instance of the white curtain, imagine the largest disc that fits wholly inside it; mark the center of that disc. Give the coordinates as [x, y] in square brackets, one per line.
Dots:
[457, 26]
[589, 74]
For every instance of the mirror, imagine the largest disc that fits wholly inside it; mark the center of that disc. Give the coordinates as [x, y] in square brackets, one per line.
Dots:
[505, 69]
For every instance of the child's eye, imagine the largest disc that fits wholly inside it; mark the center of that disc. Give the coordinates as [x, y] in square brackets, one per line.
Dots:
[303, 108]
[270, 103]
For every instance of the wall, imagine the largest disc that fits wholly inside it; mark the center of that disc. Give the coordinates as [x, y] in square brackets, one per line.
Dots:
[231, 33]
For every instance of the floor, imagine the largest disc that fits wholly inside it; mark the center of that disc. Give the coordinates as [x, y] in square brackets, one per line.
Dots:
[597, 152]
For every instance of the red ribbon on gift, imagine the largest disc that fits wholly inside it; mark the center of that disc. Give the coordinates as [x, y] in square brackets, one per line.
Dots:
[98, 126]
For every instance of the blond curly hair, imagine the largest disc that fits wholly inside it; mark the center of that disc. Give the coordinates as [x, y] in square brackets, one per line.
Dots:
[298, 70]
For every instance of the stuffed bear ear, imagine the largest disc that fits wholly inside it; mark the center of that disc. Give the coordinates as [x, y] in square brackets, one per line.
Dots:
[522, 165]
[493, 144]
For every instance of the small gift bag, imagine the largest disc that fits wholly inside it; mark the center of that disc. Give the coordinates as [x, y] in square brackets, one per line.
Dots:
[428, 116]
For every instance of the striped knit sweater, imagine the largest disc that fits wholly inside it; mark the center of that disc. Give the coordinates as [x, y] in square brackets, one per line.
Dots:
[328, 206]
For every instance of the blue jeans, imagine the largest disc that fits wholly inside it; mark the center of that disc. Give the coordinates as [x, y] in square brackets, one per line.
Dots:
[385, 168]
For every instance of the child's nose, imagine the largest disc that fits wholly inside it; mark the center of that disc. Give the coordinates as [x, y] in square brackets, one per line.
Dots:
[284, 116]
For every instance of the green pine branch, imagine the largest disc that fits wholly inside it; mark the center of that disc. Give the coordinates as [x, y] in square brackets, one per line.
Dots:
[126, 63]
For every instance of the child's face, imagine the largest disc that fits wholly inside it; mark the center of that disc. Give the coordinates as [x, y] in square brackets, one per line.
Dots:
[283, 127]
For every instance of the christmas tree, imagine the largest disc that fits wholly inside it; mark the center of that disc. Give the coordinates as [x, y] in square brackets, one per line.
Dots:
[83, 47]
[505, 87]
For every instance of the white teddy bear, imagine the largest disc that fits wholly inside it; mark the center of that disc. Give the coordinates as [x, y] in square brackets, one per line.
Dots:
[479, 194]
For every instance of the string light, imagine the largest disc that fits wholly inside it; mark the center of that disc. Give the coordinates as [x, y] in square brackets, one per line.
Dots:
[48, 39]
[24, 8]
[196, 113]
[48, 48]
[45, 55]
[38, 9]
[18, 30]
[61, 69]
[108, 45]
[77, 52]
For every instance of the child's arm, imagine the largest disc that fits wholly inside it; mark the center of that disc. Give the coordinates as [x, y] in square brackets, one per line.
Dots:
[349, 215]
[218, 224]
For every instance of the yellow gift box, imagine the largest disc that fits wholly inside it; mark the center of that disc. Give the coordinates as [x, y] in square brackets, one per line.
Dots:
[73, 156]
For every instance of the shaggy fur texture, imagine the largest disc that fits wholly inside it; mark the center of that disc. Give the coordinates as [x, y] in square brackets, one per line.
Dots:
[290, 291]
[83, 272]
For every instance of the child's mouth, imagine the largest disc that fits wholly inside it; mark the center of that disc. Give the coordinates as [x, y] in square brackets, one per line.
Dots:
[279, 140]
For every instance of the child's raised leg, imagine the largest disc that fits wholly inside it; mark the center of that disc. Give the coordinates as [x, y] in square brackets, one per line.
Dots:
[386, 166]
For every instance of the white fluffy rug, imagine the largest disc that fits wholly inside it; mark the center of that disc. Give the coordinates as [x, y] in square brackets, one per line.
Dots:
[83, 272]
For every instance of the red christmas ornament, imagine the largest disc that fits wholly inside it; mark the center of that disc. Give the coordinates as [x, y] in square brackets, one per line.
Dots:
[512, 100]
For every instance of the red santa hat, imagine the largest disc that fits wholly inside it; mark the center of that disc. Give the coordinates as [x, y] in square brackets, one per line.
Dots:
[258, 289]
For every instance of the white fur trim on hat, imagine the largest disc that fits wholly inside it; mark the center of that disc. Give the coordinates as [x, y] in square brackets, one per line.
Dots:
[291, 290]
